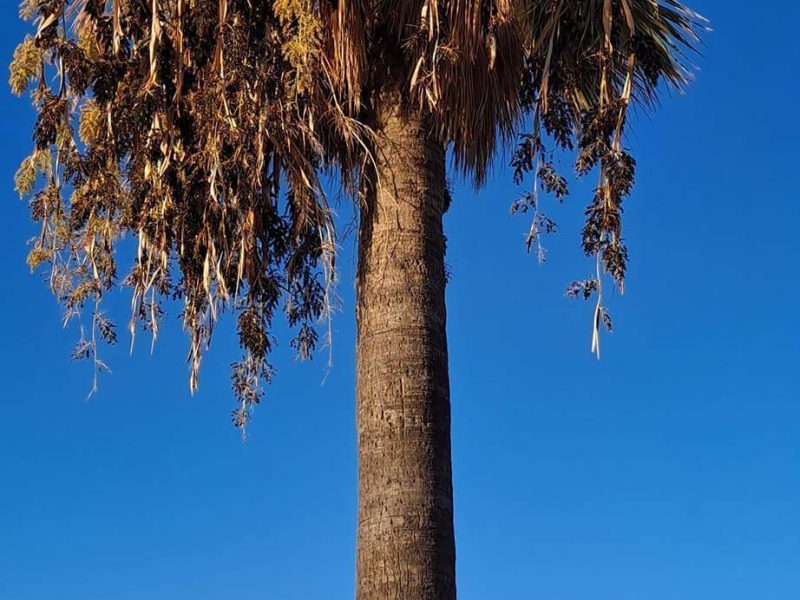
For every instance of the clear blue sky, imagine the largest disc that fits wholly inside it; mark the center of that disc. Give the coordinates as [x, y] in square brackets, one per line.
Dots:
[670, 470]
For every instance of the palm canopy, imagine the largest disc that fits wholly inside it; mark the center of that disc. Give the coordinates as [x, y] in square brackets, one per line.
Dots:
[180, 122]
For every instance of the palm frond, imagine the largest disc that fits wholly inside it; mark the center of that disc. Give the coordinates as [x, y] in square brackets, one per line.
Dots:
[203, 130]
[587, 63]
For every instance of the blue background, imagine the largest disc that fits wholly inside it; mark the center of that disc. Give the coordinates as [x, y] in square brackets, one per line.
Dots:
[669, 470]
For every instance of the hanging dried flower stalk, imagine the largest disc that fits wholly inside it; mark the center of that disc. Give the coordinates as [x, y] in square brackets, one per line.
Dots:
[174, 121]
[587, 62]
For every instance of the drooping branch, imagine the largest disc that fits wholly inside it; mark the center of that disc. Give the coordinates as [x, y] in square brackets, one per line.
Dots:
[184, 124]
[587, 64]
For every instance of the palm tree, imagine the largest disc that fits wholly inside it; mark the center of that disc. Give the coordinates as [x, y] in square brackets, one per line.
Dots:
[179, 121]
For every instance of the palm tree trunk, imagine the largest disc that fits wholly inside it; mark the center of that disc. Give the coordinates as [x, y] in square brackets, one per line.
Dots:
[406, 545]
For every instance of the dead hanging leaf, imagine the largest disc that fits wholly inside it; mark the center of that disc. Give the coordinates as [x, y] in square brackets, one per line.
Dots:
[51, 19]
[116, 24]
[608, 19]
[629, 18]
[155, 38]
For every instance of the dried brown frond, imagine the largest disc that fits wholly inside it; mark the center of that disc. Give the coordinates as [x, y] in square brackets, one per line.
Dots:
[202, 129]
[587, 64]
[188, 125]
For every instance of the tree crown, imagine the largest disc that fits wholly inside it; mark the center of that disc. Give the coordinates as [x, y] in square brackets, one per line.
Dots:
[203, 129]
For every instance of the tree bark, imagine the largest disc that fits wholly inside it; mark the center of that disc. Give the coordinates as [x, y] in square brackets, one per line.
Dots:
[406, 544]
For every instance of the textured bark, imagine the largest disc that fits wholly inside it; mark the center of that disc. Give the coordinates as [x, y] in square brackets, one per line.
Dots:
[406, 546]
